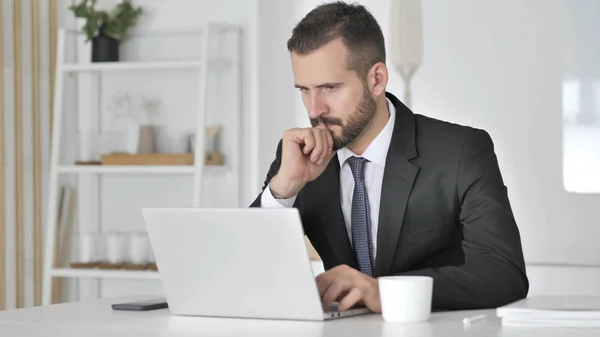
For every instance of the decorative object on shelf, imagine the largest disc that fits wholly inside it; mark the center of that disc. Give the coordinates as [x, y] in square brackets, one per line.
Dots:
[106, 30]
[139, 252]
[214, 159]
[114, 250]
[406, 41]
[148, 159]
[147, 135]
[88, 251]
[146, 139]
[213, 156]
[87, 162]
[173, 141]
[137, 115]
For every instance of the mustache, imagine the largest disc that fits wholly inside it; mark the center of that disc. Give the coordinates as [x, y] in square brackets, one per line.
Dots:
[325, 121]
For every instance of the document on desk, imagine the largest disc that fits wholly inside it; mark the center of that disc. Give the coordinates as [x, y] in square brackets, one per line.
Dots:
[553, 311]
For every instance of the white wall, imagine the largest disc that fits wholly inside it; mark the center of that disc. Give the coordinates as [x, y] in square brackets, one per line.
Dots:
[499, 65]
[277, 95]
[506, 76]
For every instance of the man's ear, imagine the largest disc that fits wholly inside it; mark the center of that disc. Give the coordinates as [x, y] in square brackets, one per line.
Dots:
[378, 78]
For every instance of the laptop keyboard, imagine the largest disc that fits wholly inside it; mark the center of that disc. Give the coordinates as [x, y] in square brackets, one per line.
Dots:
[335, 313]
[334, 307]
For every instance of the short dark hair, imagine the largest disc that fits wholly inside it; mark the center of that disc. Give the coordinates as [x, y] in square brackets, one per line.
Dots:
[358, 29]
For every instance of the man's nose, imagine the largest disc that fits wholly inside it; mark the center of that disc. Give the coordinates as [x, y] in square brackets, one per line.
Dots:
[317, 108]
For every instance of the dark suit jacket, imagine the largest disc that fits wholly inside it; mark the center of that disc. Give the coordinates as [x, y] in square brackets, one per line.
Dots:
[444, 213]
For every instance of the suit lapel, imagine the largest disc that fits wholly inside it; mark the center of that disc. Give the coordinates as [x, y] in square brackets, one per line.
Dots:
[398, 178]
[334, 224]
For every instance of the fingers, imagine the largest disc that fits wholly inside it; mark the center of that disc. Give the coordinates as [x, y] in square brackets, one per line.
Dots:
[310, 143]
[326, 148]
[323, 283]
[317, 152]
[325, 279]
[321, 150]
[335, 290]
[335, 283]
[348, 286]
[316, 142]
[333, 272]
[327, 144]
[353, 297]
[329, 137]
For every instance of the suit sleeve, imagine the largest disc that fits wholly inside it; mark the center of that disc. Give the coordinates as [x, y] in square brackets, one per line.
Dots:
[493, 273]
[265, 198]
[273, 169]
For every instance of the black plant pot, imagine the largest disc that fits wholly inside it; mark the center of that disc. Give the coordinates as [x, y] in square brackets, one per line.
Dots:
[105, 48]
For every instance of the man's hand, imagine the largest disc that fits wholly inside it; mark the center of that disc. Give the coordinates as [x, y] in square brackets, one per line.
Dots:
[304, 156]
[348, 286]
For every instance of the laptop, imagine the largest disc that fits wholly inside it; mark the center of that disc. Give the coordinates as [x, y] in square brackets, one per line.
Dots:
[247, 263]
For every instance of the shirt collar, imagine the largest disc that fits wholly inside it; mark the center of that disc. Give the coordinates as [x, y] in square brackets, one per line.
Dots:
[377, 151]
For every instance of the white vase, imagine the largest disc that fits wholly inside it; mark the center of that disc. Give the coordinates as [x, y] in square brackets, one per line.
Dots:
[146, 140]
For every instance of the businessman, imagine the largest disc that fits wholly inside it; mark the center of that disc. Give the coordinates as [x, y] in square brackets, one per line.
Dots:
[383, 191]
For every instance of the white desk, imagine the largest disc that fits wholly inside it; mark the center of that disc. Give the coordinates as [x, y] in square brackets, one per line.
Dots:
[96, 318]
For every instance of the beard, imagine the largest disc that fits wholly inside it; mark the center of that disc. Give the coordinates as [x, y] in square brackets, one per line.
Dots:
[356, 123]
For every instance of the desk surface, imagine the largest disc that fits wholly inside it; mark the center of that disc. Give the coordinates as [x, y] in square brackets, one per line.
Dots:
[96, 318]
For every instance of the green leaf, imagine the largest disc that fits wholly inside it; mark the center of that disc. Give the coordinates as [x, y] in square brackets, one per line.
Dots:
[81, 10]
[122, 18]
[116, 24]
[90, 28]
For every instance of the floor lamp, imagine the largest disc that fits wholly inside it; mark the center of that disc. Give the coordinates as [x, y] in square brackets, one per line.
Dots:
[406, 41]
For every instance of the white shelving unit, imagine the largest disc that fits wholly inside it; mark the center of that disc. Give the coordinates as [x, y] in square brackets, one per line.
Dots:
[99, 273]
[142, 169]
[215, 63]
[88, 174]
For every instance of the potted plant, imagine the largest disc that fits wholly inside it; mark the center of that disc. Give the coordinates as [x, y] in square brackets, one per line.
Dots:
[106, 30]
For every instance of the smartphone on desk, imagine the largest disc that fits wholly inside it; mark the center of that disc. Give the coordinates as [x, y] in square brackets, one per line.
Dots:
[152, 304]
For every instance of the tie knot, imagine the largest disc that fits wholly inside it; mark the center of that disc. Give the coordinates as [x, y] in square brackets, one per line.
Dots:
[357, 165]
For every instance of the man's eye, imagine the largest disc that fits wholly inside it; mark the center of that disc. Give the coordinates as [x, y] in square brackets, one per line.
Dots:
[303, 89]
[330, 88]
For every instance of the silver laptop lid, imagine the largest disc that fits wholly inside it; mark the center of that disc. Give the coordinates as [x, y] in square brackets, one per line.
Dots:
[234, 262]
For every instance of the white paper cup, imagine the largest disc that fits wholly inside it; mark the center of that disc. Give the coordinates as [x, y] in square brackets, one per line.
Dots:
[405, 299]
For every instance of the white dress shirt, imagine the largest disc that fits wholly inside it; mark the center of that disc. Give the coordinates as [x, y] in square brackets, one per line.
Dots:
[376, 153]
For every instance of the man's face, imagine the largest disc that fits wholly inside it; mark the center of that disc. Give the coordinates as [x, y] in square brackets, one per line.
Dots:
[332, 94]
